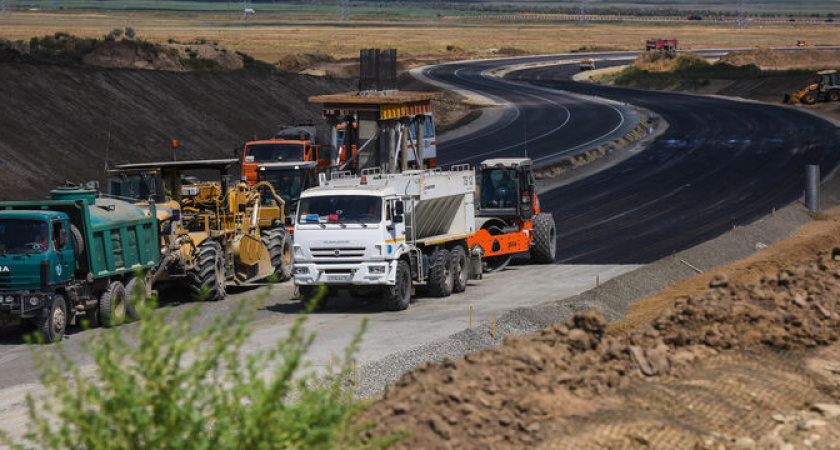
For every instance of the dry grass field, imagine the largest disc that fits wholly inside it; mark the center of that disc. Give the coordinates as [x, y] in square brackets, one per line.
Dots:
[272, 35]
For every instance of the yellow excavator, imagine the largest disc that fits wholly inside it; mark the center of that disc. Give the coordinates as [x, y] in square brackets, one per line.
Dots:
[826, 88]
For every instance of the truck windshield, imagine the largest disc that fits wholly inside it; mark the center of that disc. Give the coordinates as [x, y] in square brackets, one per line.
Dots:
[21, 236]
[498, 188]
[287, 183]
[133, 186]
[256, 153]
[341, 209]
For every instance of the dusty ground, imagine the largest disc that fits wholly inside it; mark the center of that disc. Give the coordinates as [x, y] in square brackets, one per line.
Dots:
[273, 36]
[735, 356]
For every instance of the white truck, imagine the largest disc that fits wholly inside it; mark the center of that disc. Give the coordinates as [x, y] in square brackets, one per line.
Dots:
[387, 233]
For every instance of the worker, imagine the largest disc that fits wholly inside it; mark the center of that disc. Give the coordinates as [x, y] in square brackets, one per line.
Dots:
[288, 187]
[504, 188]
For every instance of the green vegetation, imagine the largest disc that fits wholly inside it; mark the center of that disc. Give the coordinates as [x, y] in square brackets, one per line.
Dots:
[658, 70]
[61, 48]
[166, 383]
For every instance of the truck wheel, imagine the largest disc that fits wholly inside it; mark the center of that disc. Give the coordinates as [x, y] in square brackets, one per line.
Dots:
[461, 267]
[207, 279]
[809, 98]
[398, 296]
[441, 274]
[52, 327]
[309, 294]
[136, 295]
[545, 239]
[112, 305]
[834, 95]
[279, 246]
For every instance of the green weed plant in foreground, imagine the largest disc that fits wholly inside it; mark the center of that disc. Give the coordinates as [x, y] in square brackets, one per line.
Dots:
[168, 383]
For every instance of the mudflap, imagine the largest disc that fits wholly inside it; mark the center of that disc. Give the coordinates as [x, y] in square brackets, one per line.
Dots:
[251, 260]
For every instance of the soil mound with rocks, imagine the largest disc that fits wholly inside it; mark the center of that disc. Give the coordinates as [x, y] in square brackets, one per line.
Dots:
[769, 59]
[714, 369]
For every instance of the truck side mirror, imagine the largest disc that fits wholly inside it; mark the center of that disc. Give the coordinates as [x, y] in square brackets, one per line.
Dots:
[62, 238]
[399, 208]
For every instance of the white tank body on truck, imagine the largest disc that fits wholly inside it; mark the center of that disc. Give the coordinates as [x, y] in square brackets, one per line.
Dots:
[383, 234]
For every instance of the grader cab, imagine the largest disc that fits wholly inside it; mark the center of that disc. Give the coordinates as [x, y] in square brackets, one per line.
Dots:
[508, 217]
[215, 233]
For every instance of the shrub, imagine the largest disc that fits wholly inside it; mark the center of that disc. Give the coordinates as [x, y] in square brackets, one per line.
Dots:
[130, 33]
[168, 384]
[116, 32]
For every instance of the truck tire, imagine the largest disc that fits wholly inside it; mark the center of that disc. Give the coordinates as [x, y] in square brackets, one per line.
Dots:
[545, 239]
[78, 243]
[112, 305]
[207, 279]
[441, 274]
[834, 95]
[279, 245]
[460, 265]
[809, 98]
[398, 296]
[51, 328]
[136, 292]
[309, 294]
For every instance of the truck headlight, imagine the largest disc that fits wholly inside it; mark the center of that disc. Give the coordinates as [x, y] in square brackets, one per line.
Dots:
[34, 301]
[10, 299]
[301, 270]
[298, 251]
[377, 270]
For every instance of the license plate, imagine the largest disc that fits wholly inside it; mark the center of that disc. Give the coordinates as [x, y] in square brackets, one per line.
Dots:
[339, 277]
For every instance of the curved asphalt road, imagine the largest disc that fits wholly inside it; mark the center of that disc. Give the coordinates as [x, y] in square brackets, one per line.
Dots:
[720, 163]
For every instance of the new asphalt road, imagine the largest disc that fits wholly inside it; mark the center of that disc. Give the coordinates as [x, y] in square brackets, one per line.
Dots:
[720, 163]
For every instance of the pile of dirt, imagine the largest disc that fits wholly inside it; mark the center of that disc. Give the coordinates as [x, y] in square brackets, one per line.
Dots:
[62, 122]
[769, 59]
[129, 54]
[712, 368]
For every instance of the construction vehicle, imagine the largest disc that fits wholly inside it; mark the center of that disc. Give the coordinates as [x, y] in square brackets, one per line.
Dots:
[668, 45]
[508, 219]
[289, 180]
[213, 234]
[384, 233]
[74, 256]
[826, 88]
[587, 64]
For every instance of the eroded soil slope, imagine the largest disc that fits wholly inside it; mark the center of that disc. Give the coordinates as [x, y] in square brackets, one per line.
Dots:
[55, 121]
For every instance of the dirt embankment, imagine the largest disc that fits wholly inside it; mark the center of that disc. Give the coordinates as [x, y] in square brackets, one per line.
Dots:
[750, 359]
[55, 121]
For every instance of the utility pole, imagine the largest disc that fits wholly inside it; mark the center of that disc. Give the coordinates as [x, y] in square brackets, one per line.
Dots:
[4, 7]
[582, 16]
[742, 14]
[344, 10]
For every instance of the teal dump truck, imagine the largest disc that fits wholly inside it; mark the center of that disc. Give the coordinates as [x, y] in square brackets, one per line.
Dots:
[74, 256]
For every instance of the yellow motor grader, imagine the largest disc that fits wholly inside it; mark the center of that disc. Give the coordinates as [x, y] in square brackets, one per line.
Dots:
[213, 233]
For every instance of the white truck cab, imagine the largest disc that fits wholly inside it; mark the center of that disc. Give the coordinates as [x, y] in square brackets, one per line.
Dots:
[384, 233]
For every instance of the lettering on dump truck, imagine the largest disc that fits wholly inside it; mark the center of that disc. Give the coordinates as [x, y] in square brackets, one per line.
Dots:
[4, 269]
